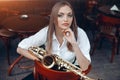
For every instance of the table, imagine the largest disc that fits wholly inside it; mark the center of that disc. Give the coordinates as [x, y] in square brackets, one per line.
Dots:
[24, 26]
[106, 11]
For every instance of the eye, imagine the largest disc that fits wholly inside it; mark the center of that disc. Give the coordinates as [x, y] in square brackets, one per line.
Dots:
[70, 15]
[60, 15]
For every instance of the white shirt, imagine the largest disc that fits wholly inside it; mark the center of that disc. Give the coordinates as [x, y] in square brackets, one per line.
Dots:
[40, 38]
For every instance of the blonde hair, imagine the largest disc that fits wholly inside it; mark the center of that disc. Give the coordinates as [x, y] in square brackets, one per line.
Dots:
[53, 22]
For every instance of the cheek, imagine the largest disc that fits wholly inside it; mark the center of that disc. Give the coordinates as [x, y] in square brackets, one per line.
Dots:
[70, 21]
[59, 21]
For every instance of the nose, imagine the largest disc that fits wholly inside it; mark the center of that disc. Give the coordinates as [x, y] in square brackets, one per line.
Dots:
[65, 18]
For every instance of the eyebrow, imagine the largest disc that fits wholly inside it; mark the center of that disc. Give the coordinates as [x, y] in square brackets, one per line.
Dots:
[63, 13]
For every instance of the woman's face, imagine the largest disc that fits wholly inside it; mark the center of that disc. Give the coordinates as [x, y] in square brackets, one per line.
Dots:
[65, 17]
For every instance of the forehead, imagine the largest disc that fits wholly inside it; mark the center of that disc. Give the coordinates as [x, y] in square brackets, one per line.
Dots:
[65, 9]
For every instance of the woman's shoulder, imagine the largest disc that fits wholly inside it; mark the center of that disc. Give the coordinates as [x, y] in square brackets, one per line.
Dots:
[80, 30]
[44, 29]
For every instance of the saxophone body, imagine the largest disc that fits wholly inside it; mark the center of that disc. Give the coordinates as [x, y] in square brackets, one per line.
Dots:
[52, 60]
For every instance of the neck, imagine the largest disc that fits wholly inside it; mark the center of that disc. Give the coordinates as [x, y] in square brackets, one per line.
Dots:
[59, 36]
[58, 33]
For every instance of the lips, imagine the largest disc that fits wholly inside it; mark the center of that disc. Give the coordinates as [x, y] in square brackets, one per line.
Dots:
[65, 24]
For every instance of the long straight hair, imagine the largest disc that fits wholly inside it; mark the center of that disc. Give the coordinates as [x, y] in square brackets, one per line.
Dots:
[53, 22]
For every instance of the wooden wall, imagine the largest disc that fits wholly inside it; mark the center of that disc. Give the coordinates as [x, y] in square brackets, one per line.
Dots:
[40, 6]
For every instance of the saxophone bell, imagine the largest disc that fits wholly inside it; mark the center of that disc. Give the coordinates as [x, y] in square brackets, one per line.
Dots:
[49, 61]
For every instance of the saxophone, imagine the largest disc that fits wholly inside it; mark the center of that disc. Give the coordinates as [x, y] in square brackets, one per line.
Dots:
[50, 61]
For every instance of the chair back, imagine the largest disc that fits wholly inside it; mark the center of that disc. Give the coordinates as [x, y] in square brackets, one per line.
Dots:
[107, 24]
[49, 74]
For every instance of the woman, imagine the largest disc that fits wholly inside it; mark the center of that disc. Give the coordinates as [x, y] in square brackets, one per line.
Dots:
[62, 37]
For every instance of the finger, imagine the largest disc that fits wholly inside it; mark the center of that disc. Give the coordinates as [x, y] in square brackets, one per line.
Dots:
[67, 33]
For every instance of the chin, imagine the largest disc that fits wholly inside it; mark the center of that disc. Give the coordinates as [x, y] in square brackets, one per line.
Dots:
[65, 27]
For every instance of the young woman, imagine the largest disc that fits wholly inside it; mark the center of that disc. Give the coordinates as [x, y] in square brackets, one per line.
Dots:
[62, 37]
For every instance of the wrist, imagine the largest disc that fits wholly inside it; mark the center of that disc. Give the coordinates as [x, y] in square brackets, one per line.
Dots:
[74, 44]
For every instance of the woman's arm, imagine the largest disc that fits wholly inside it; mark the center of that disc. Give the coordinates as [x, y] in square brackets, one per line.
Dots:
[80, 48]
[81, 59]
[37, 39]
[26, 54]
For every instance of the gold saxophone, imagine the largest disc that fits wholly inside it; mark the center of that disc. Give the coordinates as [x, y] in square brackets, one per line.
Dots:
[50, 61]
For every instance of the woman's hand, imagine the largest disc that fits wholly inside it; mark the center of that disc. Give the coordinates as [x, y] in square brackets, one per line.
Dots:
[69, 35]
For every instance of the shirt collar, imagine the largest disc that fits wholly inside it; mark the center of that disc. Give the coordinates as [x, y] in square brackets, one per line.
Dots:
[55, 38]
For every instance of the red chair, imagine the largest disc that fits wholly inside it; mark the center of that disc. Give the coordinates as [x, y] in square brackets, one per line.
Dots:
[108, 29]
[42, 73]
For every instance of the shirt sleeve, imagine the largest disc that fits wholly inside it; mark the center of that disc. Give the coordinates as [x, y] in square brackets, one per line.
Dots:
[84, 43]
[37, 39]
